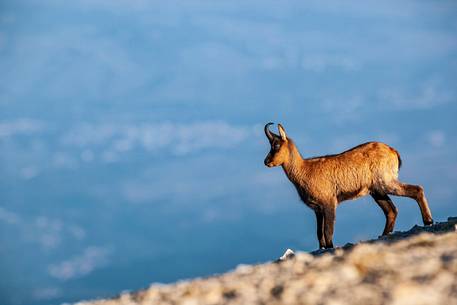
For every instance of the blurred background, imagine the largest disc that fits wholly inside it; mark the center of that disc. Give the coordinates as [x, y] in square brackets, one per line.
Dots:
[131, 132]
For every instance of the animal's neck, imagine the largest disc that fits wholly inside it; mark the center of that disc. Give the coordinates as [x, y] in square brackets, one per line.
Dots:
[294, 167]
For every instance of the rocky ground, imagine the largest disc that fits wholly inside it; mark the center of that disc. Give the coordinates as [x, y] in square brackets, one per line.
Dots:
[414, 267]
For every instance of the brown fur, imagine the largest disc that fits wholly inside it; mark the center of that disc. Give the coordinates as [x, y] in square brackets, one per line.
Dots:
[323, 182]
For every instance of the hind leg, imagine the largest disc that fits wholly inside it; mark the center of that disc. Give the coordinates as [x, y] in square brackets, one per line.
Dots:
[389, 209]
[415, 192]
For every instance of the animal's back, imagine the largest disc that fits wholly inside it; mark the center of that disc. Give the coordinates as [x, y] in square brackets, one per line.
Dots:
[356, 171]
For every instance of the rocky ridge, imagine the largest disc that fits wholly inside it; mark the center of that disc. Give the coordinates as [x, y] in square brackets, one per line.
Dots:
[418, 266]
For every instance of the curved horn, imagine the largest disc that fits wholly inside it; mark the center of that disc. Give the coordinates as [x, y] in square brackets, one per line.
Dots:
[268, 132]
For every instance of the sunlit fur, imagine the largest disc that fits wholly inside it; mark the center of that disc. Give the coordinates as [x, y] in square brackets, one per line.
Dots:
[323, 182]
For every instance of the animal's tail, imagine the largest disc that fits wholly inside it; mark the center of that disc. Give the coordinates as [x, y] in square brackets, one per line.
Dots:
[399, 159]
[398, 156]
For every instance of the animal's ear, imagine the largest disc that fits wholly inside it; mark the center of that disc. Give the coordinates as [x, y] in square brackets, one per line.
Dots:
[282, 132]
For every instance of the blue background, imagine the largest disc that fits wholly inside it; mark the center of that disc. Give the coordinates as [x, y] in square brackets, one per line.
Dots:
[131, 141]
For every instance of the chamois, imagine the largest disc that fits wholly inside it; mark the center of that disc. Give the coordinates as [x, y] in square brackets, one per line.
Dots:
[323, 182]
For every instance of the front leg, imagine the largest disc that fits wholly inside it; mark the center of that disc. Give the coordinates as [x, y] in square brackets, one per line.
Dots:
[329, 224]
[320, 228]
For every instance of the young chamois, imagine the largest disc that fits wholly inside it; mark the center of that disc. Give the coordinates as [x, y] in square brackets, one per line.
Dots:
[323, 182]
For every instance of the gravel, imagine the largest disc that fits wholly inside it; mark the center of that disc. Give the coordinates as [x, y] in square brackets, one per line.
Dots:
[415, 267]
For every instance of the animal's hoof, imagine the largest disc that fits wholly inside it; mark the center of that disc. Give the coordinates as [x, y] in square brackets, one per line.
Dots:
[428, 222]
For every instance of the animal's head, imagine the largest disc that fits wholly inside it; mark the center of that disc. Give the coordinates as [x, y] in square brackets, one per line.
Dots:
[279, 151]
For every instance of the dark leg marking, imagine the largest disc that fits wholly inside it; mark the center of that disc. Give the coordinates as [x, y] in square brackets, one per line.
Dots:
[329, 225]
[320, 228]
[389, 209]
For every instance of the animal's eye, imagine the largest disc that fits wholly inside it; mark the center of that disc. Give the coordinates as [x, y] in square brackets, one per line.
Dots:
[277, 146]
